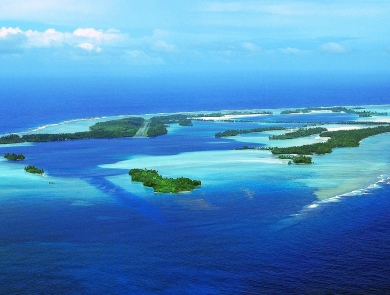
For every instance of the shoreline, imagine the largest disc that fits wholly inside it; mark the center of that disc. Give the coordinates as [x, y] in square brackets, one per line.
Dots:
[322, 194]
[225, 117]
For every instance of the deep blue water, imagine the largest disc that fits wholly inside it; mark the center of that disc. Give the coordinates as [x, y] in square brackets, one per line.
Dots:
[111, 249]
[158, 245]
[32, 102]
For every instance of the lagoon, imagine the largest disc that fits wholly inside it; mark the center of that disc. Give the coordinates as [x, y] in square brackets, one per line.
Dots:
[256, 225]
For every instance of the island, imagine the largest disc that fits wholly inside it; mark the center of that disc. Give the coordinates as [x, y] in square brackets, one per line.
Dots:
[34, 170]
[235, 132]
[110, 129]
[14, 157]
[307, 149]
[297, 159]
[334, 110]
[340, 138]
[126, 127]
[158, 125]
[232, 113]
[151, 178]
[336, 139]
[185, 122]
[301, 132]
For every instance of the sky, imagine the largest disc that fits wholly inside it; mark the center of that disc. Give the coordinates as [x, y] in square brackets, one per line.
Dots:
[130, 38]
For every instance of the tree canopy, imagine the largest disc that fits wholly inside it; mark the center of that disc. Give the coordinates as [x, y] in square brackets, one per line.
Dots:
[34, 170]
[151, 178]
[301, 132]
[126, 127]
[235, 132]
[14, 157]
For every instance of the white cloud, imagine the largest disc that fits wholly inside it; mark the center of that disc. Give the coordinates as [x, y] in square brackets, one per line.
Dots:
[109, 36]
[248, 46]
[54, 38]
[48, 38]
[333, 47]
[157, 42]
[11, 40]
[160, 45]
[138, 57]
[292, 50]
[89, 47]
[5, 32]
[147, 50]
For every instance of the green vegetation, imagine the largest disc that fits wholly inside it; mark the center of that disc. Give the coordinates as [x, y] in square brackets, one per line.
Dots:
[14, 157]
[367, 115]
[360, 123]
[158, 124]
[334, 110]
[110, 129]
[340, 138]
[309, 110]
[235, 132]
[245, 147]
[307, 149]
[151, 178]
[301, 132]
[210, 115]
[157, 127]
[127, 127]
[185, 122]
[370, 114]
[11, 138]
[297, 159]
[352, 138]
[34, 170]
[169, 119]
[296, 111]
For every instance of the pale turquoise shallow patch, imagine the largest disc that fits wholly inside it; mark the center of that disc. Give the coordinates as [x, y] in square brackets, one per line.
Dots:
[212, 167]
[343, 171]
[71, 126]
[16, 145]
[259, 138]
[350, 169]
[74, 125]
[263, 137]
[16, 182]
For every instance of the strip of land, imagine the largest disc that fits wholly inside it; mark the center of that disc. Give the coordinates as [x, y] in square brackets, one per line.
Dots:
[340, 138]
[143, 130]
[126, 127]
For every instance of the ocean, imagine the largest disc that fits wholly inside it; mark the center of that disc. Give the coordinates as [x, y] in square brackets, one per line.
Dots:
[253, 227]
[30, 102]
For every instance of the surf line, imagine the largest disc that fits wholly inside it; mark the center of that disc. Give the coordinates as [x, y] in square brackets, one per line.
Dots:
[294, 219]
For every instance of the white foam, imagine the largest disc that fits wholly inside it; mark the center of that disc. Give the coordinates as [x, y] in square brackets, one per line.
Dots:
[354, 193]
[16, 144]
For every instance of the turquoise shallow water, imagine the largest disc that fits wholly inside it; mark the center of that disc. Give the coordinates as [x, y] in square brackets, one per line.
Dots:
[256, 225]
